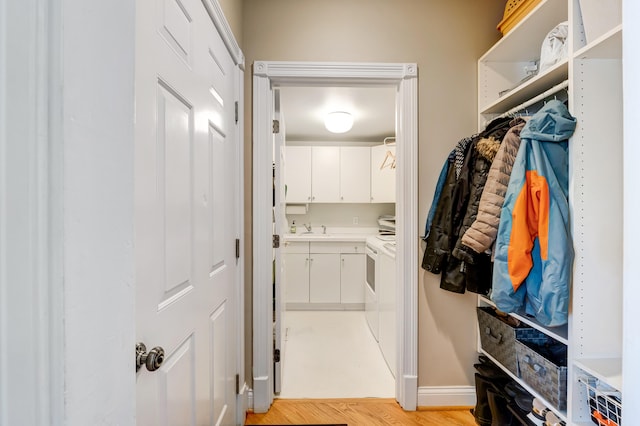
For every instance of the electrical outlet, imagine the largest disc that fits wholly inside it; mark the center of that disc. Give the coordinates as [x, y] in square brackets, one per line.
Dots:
[355, 220]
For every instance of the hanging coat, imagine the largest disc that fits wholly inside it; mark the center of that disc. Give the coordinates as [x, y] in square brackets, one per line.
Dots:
[482, 233]
[534, 252]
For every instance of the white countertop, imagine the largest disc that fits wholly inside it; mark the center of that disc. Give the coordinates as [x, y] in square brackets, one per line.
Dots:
[333, 234]
[329, 236]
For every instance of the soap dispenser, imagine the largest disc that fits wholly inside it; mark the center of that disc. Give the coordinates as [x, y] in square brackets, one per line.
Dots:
[293, 227]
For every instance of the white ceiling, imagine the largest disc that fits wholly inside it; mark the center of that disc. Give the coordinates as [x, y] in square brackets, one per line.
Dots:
[304, 109]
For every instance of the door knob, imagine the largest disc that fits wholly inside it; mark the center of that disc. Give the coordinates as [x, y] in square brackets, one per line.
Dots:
[152, 359]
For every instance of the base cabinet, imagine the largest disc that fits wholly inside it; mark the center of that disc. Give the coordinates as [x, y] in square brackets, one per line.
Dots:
[324, 275]
[352, 278]
[324, 278]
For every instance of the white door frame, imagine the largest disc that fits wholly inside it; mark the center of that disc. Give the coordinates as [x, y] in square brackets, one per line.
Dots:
[404, 77]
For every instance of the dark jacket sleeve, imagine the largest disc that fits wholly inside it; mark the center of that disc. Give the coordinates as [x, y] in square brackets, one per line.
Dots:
[478, 179]
[438, 246]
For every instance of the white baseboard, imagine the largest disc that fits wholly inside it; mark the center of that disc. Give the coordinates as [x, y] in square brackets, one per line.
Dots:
[446, 396]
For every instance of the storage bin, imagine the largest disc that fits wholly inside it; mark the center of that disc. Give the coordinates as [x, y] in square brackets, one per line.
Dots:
[497, 337]
[514, 11]
[542, 364]
[605, 402]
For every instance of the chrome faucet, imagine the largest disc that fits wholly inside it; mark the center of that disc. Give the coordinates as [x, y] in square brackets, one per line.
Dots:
[308, 227]
[324, 229]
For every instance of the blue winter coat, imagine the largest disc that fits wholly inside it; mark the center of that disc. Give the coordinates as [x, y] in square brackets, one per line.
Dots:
[534, 252]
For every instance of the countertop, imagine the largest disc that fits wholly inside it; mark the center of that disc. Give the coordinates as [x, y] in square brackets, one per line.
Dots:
[329, 236]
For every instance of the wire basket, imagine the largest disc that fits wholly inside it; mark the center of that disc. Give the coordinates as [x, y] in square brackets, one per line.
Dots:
[514, 11]
[605, 402]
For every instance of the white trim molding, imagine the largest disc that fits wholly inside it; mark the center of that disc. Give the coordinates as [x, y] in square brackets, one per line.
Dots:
[222, 25]
[446, 396]
[31, 358]
[403, 76]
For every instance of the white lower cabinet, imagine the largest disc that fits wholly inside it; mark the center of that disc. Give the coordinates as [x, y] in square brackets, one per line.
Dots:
[324, 278]
[324, 275]
[297, 277]
[352, 278]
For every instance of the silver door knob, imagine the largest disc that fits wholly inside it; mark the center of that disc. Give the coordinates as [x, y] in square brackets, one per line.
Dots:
[152, 359]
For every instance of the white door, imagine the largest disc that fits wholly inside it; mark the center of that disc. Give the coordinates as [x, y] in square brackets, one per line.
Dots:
[186, 210]
[279, 229]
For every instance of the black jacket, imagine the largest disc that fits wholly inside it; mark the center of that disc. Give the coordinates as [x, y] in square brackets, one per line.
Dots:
[451, 211]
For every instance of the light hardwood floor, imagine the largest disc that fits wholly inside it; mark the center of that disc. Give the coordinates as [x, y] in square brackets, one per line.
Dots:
[356, 412]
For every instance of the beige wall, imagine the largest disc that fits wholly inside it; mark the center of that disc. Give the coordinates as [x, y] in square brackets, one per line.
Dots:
[445, 38]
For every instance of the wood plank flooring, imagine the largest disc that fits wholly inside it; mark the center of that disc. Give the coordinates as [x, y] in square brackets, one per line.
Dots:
[356, 412]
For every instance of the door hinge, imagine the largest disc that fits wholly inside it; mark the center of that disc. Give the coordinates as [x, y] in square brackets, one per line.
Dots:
[276, 126]
[237, 248]
[237, 384]
[276, 355]
[236, 112]
[276, 241]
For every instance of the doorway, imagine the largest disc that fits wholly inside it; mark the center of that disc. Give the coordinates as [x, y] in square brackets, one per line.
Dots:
[403, 78]
[337, 198]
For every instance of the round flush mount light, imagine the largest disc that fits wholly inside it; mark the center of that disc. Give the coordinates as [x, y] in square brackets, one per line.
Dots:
[338, 122]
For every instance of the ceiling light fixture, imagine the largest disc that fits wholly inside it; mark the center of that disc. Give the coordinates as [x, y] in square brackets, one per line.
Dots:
[338, 122]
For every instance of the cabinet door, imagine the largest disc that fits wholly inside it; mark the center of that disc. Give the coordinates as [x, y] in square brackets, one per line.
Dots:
[355, 174]
[386, 289]
[324, 278]
[298, 174]
[352, 278]
[383, 180]
[296, 277]
[325, 174]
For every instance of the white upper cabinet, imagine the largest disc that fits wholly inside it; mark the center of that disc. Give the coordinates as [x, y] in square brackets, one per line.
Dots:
[355, 182]
[383, 174]
[298, 174]
[325, 174]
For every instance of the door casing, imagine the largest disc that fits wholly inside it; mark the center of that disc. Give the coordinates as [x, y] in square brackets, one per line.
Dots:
[403, 76]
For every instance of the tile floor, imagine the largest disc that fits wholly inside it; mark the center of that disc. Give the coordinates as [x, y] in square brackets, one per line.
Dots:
[332, 354]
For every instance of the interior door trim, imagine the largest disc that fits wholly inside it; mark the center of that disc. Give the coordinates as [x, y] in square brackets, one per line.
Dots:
[403, 76]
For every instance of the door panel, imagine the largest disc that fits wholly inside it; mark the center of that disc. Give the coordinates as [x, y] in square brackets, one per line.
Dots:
[220, 385]
[186, 208]
[176, 384]
[176, 27]
[175, 145]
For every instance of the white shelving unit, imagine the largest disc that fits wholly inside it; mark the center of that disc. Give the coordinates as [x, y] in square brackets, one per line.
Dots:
[593, 70]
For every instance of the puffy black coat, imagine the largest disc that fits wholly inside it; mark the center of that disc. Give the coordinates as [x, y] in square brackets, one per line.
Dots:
[449, 218]
[486, 150]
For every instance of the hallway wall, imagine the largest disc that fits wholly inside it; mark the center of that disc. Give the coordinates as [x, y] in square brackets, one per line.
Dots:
[445, 38]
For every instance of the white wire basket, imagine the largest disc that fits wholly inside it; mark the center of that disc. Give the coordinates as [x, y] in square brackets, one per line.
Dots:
[605, 402]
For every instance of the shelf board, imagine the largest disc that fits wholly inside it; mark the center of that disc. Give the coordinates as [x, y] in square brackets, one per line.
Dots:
[607, 46]
[608, 370]
[522, 43]
[561, 333]
[530, 88]
[561, 414]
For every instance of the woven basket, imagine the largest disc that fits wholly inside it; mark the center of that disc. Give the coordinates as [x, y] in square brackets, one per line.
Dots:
[498, 338]
[548, 377]
[514, 11]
